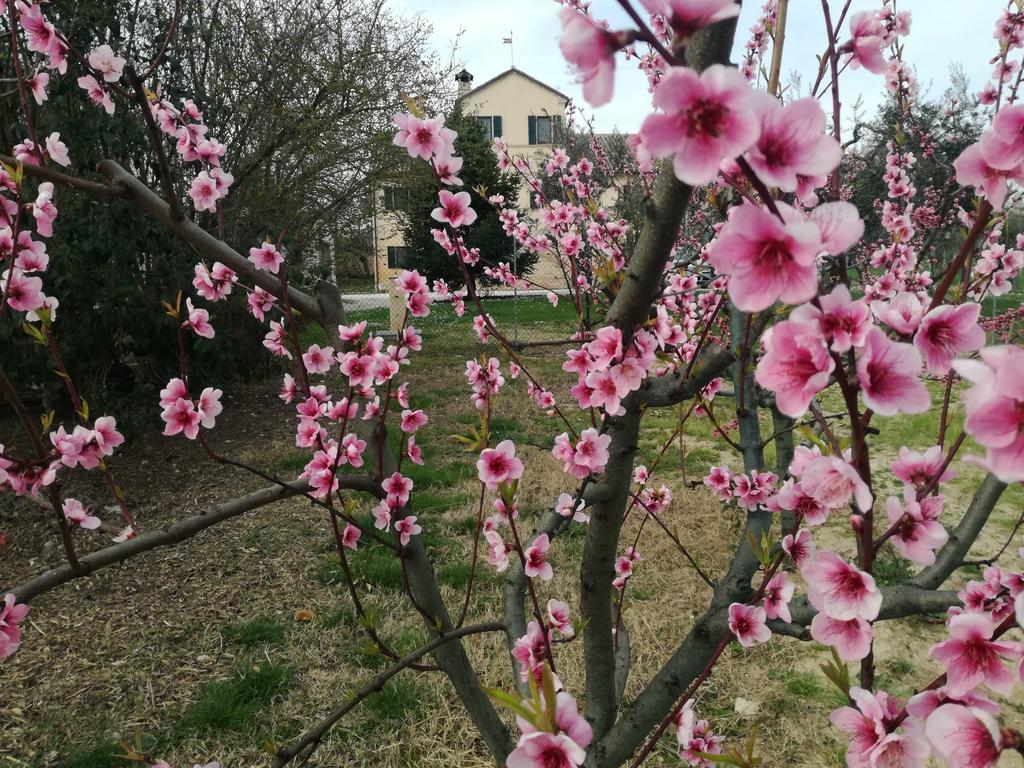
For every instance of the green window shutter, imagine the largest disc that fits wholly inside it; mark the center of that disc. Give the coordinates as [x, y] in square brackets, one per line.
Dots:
[532, 129]
[497, 126]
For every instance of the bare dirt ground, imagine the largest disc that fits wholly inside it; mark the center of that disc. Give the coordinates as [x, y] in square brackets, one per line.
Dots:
[196, 652]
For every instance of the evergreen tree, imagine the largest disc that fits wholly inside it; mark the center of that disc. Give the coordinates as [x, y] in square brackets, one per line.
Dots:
[479, 173]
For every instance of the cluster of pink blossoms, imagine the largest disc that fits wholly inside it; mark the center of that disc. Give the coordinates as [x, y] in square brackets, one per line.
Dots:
[955, 723]
[24, 257]
[609, 370]
[105, 68]
[695, 738]
[749, 491]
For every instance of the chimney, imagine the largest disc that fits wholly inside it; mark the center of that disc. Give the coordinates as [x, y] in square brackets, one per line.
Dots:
[465, 81]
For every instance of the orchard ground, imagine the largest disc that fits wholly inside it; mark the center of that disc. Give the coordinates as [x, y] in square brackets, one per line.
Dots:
[235, 642]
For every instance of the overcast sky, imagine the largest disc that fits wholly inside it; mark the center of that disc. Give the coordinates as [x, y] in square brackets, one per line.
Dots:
[943, 32]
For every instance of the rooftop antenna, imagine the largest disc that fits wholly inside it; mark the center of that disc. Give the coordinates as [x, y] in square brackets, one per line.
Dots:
[511, 50]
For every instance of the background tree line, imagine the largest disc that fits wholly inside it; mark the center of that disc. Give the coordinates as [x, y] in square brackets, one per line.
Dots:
[302, 94]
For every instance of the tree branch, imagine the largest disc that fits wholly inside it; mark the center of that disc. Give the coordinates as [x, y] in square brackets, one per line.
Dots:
[206, 244]
[311, 739]
[173, 534]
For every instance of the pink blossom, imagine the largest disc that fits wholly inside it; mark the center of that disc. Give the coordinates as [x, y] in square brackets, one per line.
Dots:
[413, 420]
[209, 406]
[796, 365]
[11, 615]
[558, 617]
[204, 192]
[260, 302]
[948, 331]
[686, 17]
[181, 417]
[564, 507]
[995, 408]
[37, 84]
[455, 209]
[799, 546]
[1002, 145]
[266, 257]
[97, 94]
[704, 119]
[747, 623]
[843, 322]
[499, 464]
[397, 487]
[792, 144]
[889, 376]
[903, 314]
[834, 482]
[865, 725]
[767, 259]
[57, 150]
[174, 390]
[422, 138]
[104, 432]
[406, 528]
[546, 750]
[971, 657]
[991, 183]
[850, 637]
[317, 359]
[777, 594]
[866, 44]
[44, 210]
[591, 50]
[963, 737]
[75, 513]
[535, 557]
[103, 60]
[23, 293]
[199, 321]
[840, 589]
[919, 533]
[918, 469]
[350, 536]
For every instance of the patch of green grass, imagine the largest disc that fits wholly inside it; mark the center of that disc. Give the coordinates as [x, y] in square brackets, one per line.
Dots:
[890, 568]
[293, 463]
[230, 705]
[105, 755]
[457, 574]
[803, 684]
[376, 565]
[400, 699]
[433, 476]
[337, 618]
[256, 631]
[899, 667]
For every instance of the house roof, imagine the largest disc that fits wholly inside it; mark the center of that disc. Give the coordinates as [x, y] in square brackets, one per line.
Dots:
[514, 71]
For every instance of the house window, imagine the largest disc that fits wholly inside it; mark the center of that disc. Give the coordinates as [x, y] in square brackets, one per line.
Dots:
[396, 198]
[490, 125]
[396, 256]
[541, 129]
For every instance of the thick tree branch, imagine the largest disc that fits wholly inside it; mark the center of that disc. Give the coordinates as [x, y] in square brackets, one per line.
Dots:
[206, 244]
[953, 554]
[173, 534]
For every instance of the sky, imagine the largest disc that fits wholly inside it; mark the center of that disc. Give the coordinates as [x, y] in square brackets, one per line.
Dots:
[942, 32]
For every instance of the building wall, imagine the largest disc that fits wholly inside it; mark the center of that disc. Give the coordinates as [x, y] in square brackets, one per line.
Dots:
[514, 98]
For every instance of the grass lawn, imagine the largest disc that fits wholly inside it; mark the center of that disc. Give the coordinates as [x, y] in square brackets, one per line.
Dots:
[238, 641]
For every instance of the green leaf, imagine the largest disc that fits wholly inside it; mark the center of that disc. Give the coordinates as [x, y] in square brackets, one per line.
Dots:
[511, 702]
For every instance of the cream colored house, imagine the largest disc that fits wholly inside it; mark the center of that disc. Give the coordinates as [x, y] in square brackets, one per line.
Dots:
[519, 108]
